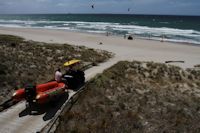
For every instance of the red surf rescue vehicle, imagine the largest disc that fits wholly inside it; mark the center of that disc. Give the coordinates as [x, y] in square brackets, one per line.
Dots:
[46, 92]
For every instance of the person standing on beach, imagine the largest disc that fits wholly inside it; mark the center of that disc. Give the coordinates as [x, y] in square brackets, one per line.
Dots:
[124, 36]
[92, 6]
[163, 37]
[58, 75]
[107, 33]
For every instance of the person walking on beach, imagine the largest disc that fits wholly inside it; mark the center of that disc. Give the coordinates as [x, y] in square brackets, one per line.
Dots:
[58, 75]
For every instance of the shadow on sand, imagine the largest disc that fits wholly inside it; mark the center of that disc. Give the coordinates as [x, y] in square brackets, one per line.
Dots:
[49, 109]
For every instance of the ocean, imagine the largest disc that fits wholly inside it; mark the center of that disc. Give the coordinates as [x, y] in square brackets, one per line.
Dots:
[184, 29]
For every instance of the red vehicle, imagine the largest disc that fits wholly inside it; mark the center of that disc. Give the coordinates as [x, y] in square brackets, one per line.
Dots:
[43, 93]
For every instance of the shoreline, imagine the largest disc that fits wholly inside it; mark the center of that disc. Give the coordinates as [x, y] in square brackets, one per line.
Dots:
[113, 35]
[137, 49]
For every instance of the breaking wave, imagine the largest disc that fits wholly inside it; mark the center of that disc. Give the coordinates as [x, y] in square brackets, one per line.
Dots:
[170, 34]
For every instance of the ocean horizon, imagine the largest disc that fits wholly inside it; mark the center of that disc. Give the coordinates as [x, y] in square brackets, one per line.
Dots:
[130, 14]
[174, 28]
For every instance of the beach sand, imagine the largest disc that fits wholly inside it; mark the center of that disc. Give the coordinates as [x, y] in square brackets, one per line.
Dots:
[137, 49]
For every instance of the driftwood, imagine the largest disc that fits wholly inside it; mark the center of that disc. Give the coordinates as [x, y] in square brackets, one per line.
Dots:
[197, 66]
[174, 61]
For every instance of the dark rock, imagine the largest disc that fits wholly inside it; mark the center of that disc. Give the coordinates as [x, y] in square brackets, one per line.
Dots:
[130, 38]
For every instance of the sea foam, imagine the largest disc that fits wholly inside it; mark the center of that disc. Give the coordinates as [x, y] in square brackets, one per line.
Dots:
[170, 34]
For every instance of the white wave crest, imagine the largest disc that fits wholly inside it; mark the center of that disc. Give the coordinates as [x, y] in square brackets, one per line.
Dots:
[103, 27]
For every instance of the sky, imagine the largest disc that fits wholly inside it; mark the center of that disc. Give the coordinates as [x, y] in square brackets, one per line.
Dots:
[167, 7]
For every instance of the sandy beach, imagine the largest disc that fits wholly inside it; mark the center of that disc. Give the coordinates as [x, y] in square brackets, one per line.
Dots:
[137, 49]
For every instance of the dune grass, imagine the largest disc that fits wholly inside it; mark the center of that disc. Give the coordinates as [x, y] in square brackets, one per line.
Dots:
[137, 97]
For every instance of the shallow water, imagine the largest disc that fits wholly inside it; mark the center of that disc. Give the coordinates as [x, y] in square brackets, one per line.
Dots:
[172, 28]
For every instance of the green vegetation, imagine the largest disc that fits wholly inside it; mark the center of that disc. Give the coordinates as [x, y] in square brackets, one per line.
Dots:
[23, 62]
[137, 97]
[10, 40]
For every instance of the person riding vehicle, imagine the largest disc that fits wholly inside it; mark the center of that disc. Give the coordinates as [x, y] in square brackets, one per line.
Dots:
[73, 77]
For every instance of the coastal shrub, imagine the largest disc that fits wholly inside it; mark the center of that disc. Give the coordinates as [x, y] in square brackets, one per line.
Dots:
[137, 97]
[3, 69]
[10, 39]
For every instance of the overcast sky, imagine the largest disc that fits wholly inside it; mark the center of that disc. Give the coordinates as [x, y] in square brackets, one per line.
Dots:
[173, 7]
